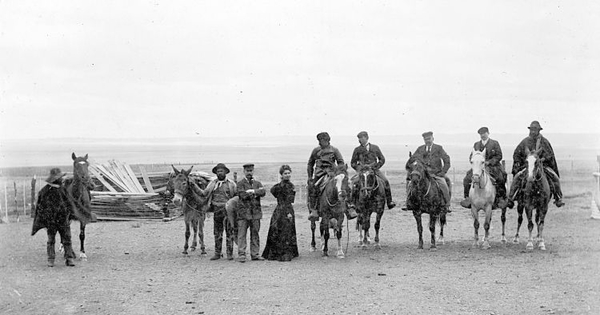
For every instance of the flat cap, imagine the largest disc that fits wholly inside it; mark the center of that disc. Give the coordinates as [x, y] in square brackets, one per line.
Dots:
[362, 134]
[427, 134]
[248, 165]
[323, 135]
[483, 130]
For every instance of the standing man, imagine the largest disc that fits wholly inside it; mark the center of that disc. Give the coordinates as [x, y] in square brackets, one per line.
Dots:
[437, 163]
[321, 159]
[219, 191]
[493, 163]
[369, 155]
[53, 210]
[533, 142]
[249, 213]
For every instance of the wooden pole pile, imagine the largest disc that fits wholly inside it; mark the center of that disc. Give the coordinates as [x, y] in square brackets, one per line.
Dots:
[121, 194]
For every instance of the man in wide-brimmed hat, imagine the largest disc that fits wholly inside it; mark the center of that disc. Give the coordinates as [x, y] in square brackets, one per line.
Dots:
[493, 163]
[52, 212]
[219, 191]
[546, 154]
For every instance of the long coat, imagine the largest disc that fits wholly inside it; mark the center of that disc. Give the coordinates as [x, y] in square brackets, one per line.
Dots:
[52, 208]
[547, 153]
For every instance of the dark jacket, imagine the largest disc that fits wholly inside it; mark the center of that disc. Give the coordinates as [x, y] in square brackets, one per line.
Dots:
[52, 208]
[437, 161]
[547, 153]
[318, 154]
[249, 206]
[362, 157]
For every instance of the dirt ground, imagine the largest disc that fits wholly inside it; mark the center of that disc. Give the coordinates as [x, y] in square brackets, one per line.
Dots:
[138, 268]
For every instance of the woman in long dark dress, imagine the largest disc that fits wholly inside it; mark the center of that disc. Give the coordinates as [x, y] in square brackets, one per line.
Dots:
[281, 240]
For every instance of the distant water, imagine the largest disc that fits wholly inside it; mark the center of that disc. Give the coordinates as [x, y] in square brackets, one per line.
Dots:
[57, 152]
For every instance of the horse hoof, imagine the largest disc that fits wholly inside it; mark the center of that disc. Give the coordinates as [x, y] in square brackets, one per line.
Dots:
[324, 254]
[542, 246]
[440, 240]
[515, 240]
[529, 246]
[184, 252]
[503, 240]
[485, 245]
[203, 253]
[312, 249]
[377, 246]
[83, 257]
[341, 256]
[193, 249]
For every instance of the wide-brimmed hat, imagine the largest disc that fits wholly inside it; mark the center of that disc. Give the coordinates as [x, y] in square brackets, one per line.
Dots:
[535, 125]
[483, 130]
[218, 166]
[55, 174]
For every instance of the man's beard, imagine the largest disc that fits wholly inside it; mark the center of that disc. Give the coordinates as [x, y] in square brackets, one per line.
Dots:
[220, 177]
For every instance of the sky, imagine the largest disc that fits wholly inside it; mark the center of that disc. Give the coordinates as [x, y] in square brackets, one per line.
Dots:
[153, 69]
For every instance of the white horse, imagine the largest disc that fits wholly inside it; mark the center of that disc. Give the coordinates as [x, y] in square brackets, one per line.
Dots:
[482, 194]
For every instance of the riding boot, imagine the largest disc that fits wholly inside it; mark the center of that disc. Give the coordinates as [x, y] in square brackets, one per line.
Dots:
[557, 192]
[388, 197]
[51, 254]
[514, 189]
[314, 213]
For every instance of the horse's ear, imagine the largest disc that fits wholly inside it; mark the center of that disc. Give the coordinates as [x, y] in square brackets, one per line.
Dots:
[409, 154]
[483, 152]
[188, 171]
[85, 157]
[345, 166]
[73, 156]
[175, 170]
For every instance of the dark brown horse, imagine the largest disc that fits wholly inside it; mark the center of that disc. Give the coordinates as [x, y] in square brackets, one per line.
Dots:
[78, 189]
[192, 205]
[536, 195]
[425, 196]
[332, 208]
[371, 199]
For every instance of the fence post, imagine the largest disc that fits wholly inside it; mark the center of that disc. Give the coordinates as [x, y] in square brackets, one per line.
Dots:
[33, 201]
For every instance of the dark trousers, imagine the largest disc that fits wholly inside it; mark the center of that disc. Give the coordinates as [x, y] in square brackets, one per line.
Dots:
[221, 225]
[243, 226]
[65, 239]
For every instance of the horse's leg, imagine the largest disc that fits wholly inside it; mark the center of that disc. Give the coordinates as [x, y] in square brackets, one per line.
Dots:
[503, 219]
[82, 255]
[187, 234]
[442, 219]
[541, 215]
[529, 212]
[519, 222]
[432, 220]
[338, 234]
[324, 227]
[475, 215]
[377, 226]
[419, 229]
[313, 243]
[366, 225]
[201, 234]
[359, 229]
[486, 226]
[195, 229]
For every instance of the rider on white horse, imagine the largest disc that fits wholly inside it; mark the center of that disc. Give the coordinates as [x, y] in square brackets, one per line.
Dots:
[493, 159]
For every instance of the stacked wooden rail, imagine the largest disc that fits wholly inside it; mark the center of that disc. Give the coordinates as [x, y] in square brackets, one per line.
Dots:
[121, 194]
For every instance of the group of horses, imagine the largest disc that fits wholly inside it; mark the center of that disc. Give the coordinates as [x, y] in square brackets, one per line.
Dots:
[425, 196]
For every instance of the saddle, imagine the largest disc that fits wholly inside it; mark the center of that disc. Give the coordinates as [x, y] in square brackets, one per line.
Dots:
[441, 184]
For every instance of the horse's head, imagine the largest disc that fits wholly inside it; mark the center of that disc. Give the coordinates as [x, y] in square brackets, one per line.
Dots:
[179, 183]
[416, 168]
[367, 181]
[477, 165]
[80, 167]
[534, 165]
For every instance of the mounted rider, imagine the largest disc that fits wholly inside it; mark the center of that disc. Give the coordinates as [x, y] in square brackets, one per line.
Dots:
[493, 164]
[320, 163]
[437, 162]
[370, 155]
[533, 142]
